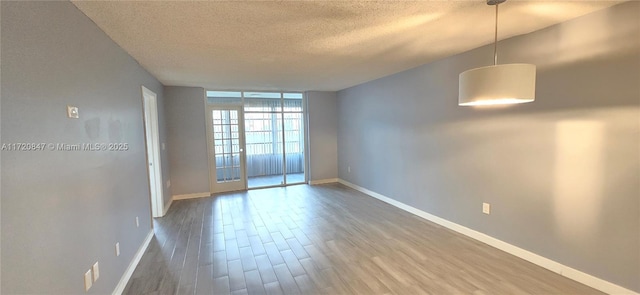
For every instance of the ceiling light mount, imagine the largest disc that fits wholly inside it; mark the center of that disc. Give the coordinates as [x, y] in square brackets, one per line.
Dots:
[495, 2]
[497, 84]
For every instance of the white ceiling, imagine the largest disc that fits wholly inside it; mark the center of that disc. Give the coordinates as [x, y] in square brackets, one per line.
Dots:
[310, 45]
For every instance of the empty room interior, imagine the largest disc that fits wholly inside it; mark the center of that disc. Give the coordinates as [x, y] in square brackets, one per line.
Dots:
[320, 147]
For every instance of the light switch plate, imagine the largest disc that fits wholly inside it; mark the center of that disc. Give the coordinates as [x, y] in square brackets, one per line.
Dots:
[87, 280]
[96, 271]
[72, 112]
[118, 249]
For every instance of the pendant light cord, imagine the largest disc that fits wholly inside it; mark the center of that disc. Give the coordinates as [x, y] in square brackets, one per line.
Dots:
[495, 40]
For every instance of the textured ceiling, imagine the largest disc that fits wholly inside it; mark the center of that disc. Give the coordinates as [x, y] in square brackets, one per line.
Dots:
[310, 45]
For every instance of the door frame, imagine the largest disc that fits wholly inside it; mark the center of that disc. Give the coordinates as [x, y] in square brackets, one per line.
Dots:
[214, 188]
[152, 151]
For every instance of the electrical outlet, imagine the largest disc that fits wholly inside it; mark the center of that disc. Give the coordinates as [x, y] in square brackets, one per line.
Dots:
[96, 271]
[486, 208]
[349, 169]
[87, 280]
[118, 249]
[137, 222]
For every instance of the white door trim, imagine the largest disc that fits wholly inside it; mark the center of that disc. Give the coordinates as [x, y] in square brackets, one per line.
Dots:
[152, 143]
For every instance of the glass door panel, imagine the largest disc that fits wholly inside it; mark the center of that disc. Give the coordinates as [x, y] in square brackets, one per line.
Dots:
[294, 147]
[226, 152]
[263, 121]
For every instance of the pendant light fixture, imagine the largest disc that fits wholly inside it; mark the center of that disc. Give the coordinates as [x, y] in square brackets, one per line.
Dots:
[497, 84]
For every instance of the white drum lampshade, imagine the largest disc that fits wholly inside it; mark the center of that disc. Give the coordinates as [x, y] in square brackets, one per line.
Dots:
[497, 84]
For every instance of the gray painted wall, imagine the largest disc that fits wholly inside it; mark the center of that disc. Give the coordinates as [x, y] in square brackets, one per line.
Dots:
[561, 173]
[322, 111]
[63, 211]
[187, 139]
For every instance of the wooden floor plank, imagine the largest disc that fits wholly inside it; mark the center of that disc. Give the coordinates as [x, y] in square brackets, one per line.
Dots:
[254, 282]
[266, 269]
[236, 275]
[273, 288]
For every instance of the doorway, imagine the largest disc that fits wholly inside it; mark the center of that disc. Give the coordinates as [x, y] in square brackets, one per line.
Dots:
[150, 108]
[226, 149]
[275, 138]
[271, 136]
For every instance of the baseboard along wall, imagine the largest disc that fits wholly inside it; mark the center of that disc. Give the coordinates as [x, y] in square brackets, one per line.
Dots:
[190, 196]
[323, 181]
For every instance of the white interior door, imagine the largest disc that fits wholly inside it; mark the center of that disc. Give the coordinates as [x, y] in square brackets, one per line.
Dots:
[225, 134]
[153, 151]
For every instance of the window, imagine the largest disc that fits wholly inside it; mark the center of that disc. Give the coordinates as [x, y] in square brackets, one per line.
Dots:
[263, 113]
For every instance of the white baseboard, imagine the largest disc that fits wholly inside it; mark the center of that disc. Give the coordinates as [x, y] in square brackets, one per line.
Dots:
[323, 181]
[571, 273]
[191, 196]
[167, 206]
[134, 263]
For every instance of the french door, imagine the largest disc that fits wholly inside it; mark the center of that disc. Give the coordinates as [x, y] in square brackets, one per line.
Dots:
[225, 130]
